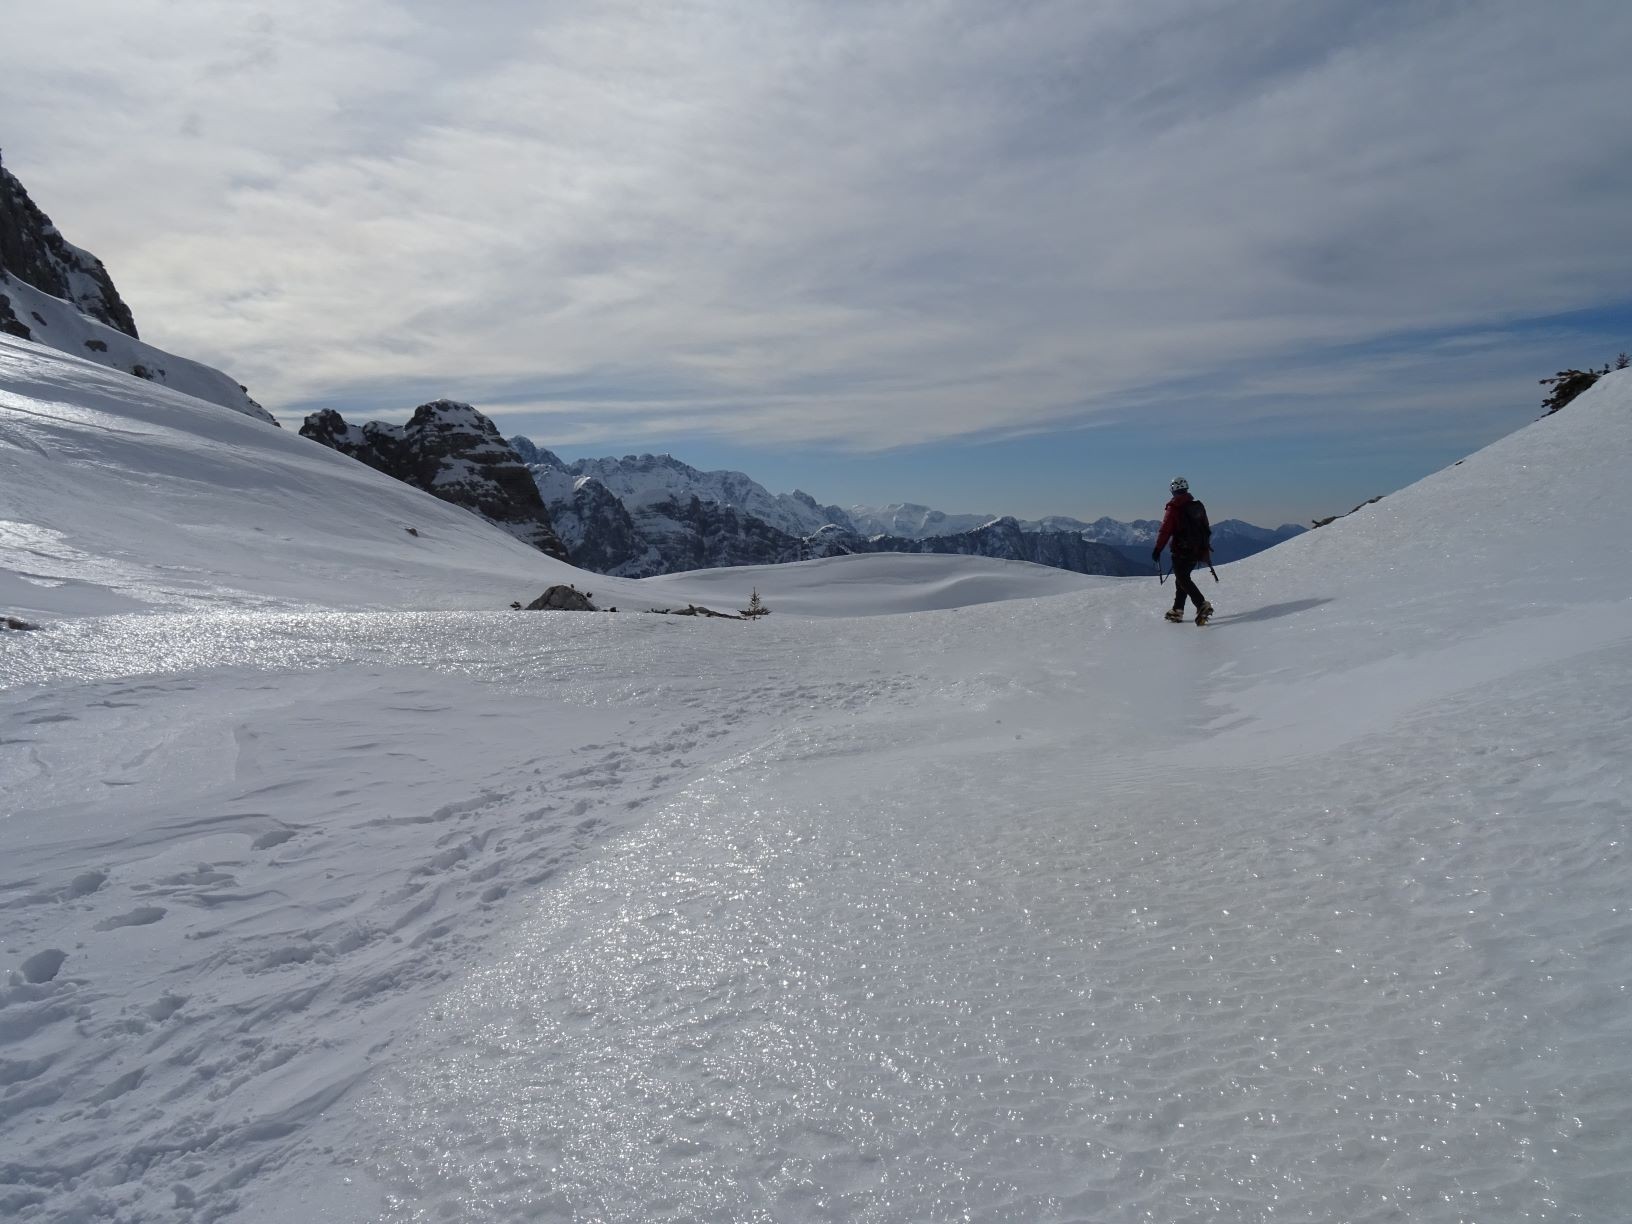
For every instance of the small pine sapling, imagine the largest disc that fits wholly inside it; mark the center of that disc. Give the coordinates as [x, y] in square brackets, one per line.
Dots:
[1567, 384]
[756, 606]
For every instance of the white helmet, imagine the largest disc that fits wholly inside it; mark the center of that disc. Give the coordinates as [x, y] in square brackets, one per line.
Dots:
[1179, 485]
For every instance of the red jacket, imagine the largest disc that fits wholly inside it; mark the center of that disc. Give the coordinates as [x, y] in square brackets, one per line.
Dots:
[1171, 518]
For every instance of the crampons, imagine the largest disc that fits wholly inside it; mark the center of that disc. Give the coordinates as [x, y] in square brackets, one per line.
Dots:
[1176, 615]
[1204, 614]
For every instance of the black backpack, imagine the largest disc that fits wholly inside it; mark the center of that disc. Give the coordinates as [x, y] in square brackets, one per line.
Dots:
[1194, 535]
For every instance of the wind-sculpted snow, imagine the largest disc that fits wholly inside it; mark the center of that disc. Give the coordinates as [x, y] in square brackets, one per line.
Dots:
[1033, 909]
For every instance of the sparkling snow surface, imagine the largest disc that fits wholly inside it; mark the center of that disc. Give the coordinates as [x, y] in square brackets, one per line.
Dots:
[1027, 909]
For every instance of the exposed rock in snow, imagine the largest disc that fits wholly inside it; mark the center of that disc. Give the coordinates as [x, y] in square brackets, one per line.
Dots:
[452, 451]
[563, 597]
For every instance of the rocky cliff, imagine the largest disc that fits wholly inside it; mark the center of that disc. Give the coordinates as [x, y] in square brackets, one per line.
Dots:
[455, 453]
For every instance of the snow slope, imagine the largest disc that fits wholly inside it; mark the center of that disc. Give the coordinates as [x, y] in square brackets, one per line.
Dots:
[56, 324]
[1039, 909]
[119, 495]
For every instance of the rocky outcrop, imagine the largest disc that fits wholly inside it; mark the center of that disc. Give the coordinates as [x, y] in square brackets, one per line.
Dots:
[10, 323]
[562, 598]
[33, 251]
[453, 452]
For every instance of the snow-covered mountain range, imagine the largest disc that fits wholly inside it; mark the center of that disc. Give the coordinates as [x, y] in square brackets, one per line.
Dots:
[653, 514]
[59, 295]
[1233, 538]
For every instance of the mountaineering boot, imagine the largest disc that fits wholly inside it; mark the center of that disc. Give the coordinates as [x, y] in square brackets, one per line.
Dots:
[1204, 614]
[1176, 615]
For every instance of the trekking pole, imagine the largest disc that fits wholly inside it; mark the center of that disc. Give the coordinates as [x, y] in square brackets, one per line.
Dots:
[1161, 577]
[1212, 571]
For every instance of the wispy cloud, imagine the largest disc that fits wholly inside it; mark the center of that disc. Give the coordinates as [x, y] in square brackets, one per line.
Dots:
[861, 224]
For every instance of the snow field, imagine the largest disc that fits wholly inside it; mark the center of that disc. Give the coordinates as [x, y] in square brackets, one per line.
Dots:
[936, 988]
[1041, 909]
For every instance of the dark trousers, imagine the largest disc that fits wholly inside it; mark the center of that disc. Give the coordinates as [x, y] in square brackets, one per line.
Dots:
[1184, 585]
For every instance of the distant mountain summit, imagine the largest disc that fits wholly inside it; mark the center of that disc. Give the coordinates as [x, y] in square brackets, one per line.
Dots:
[643, 515]
[451, 451]
[55, 294]
[1233, 539]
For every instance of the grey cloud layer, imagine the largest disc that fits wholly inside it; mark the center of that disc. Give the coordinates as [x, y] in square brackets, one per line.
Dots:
[870, 224]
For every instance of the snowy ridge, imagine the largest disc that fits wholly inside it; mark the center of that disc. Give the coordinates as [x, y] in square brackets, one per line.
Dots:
[54, 323]
[1039, 909]
[910, 521]
[252, 519]
[246, 517]
[640, 481]
[1233, 538]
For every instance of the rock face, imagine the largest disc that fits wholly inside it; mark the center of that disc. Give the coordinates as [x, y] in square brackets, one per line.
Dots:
[652, 514]
[453, 452]
[33, 251]
[599, 532]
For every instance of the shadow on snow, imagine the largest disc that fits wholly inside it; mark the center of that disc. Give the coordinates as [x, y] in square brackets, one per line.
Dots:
[1269, 612]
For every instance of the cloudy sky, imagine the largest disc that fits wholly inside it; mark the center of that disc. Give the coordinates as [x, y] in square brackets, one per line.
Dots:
[1020, 257]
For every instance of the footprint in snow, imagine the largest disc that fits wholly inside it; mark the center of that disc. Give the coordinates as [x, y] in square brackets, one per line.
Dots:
[43, 966]
[142, 915]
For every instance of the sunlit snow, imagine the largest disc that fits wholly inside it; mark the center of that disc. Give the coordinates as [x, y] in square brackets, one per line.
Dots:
[952, 890]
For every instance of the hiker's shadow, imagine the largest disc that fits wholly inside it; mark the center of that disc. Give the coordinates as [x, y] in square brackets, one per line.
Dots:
[1269, 612]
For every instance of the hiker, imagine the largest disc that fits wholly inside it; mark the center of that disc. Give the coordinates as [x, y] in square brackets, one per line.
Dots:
[1185, 524]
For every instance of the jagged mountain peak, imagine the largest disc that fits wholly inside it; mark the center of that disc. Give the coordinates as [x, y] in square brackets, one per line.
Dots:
[34, 251]
[450, 450]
